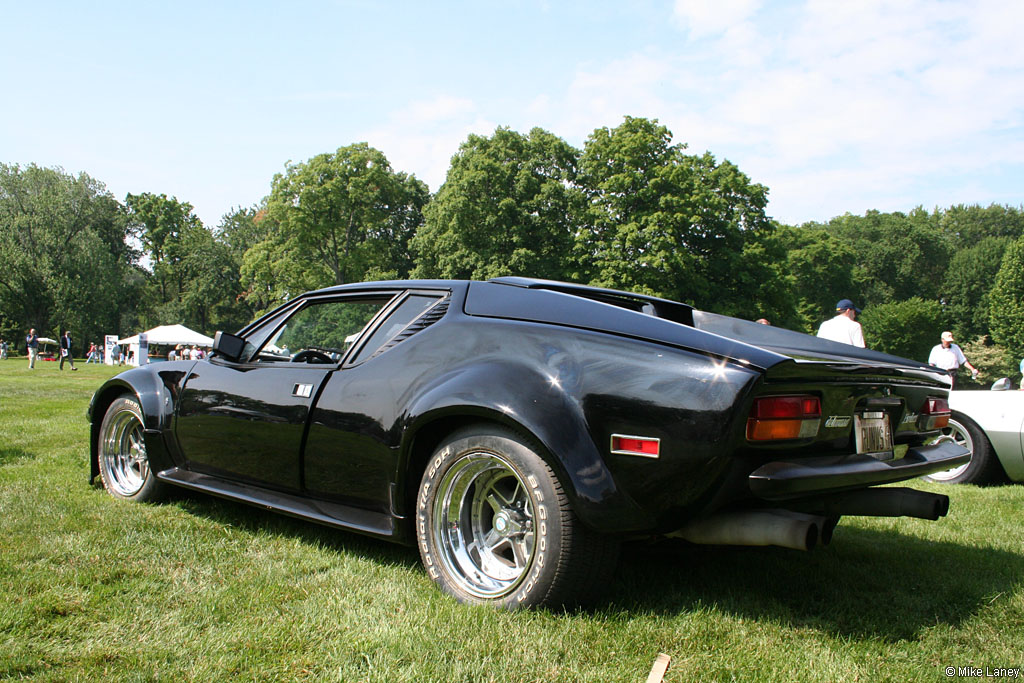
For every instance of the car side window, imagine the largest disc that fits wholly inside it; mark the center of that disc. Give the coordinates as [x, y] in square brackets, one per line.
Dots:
[404, 314]
[321, 332]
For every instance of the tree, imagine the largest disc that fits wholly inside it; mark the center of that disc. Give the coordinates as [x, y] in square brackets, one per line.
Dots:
[821, 265]
[1006, 307]
[243, 228]
[657, 220]
[968, 225]
[337, 218]
[969, 279]
[239, 231]
[993, 361]
[64, 259]
[504, 209]
[211, 284]
[160, 224]
[903, 328]
[897, 256]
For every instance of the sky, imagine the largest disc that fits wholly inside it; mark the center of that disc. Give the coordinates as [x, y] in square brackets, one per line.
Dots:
[834, 106]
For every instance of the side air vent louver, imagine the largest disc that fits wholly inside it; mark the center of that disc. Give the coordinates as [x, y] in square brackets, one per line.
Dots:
[435, 313]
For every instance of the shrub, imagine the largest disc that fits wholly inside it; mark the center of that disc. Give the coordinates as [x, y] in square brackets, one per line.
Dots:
[903, 328]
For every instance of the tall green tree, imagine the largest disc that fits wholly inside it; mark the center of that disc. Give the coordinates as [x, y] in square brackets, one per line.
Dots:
[161, 224]
[821, 265]
[969, 280]
[240, 230]
[657, 220]
[897, 256]
[337, 218]
[504, 209]
[968, 225]
[64, 258]
[1006, 301]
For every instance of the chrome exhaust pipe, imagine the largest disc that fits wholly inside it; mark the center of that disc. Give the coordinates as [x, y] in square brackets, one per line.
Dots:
[888, 502]
[783, 528]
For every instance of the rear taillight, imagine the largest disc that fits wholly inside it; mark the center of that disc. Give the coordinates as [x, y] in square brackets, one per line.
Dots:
[773, 418]
[934, 414]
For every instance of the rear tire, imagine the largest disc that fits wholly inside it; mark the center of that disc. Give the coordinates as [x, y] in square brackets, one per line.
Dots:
[121, 450]
[494, 526]
[982, 468]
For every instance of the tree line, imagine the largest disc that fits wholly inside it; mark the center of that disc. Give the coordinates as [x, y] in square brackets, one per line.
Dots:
[631, 210]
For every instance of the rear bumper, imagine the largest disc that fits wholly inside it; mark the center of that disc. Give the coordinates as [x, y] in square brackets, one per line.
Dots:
[780, 480]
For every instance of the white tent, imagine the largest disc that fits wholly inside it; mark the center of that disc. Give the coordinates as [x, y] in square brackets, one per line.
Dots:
[167, 335]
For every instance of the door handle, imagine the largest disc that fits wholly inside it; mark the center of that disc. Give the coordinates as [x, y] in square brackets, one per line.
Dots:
[302, 390]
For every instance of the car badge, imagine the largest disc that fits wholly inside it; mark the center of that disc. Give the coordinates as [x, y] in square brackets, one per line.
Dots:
[836, 421]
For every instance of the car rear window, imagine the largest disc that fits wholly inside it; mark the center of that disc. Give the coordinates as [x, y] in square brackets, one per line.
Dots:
[405, 313]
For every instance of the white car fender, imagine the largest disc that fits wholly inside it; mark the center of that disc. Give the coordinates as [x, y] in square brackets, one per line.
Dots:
[1000, 414]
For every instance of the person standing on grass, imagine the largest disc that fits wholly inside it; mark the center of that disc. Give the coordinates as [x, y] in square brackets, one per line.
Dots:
[844, 326]
[949, 357]
[3, 349]
[65, 351]
[32, 347]
[93, 353]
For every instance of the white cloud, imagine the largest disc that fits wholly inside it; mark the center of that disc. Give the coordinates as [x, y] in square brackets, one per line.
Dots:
[704, 18]
[422, 137]
[835, 106]
[865, 99]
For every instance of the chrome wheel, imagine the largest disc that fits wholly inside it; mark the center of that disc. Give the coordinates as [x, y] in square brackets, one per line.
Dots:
[959, 435]
[483, 521]
[123, 463]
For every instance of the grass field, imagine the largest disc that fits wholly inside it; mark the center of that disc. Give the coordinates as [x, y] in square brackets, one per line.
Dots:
[200, 589]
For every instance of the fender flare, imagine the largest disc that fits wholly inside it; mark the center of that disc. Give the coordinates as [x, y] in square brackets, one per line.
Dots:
[517, 396]
[157, 409]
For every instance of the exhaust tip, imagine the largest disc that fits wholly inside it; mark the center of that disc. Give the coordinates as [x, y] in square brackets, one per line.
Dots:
[811, 538]
[828, 527]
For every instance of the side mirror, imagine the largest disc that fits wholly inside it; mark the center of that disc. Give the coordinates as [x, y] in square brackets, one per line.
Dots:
[228, 345]
[1002, 384]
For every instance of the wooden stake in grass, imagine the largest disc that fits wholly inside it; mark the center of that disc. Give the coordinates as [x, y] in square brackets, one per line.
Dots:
[657, 674]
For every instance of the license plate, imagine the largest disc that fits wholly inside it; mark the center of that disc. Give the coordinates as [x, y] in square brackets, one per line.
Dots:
[873, 434]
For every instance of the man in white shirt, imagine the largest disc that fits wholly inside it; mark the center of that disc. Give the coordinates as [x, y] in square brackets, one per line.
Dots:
[844, 327]
[949, 357]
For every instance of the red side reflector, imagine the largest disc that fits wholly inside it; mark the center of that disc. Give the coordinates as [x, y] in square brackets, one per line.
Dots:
[636, 445]
[775, 418]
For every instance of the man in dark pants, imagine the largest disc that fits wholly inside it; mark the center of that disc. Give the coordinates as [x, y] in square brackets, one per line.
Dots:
[65, 350]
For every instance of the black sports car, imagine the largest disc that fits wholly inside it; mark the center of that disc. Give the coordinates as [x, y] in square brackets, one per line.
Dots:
[517, 430]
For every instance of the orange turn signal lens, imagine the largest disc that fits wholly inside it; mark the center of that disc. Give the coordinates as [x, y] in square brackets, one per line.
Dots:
[774, 418]
[771, 430]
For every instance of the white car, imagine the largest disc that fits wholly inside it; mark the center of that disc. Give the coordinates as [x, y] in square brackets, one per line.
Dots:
[990, 424]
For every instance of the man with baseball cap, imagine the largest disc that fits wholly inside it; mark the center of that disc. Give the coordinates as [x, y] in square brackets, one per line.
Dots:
[844, 327]
[949, 357]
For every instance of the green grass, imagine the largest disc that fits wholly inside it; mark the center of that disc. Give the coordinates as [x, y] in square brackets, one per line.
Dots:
[199, 589]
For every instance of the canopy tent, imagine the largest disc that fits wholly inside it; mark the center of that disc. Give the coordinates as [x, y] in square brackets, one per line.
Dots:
[171, 334]
[45, 353]
[166, 335]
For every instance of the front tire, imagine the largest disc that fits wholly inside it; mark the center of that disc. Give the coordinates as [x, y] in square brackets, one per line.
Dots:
[982, 468]
[123, 462]
[495, 527]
